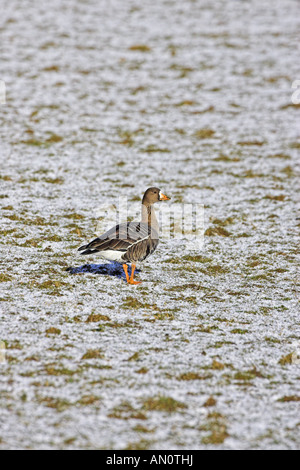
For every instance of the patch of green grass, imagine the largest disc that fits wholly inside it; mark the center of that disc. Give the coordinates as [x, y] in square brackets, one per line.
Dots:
[287, 359]
[126, 411]
[251, 143]
[248, 375]
[50, 284]
[53, 180]
[204, 133]
[193, 376]
[33, 141]
[14, 345]
[88, 400]
[132, 302]
[126, 139]
[217, 427]
[36, 221]
[5, 178]
[163, 403]
[32, 242]
[142, 429]
[283, 156]
[93, 354]
[196, 259]
[164, 315]
[140, 48]
[272, 340]
[134, 357]
[225, 158]
[183, 287]
[53, 331]
[289, 398]
[295, 145]
[5, 277]
[142, 370]
[216, 365]
[142, 444]
[6, 232]
[213, 270]
[53, 287]
[243, 235]
[57, 371]
[56, 403]
[289, 171]
[205, 328]
[223, 223]
[53, 138]
[31, 179]
[74, 216]
[188, 186]
[13, 217]
[211, 401]
[174, 260]
[263, 276]
[186, 103]
[97, 317]
[221, 344]
[53, 238]
[126, 324]
[279, 197]
[238, 331]
[153, 149]
[213, 231]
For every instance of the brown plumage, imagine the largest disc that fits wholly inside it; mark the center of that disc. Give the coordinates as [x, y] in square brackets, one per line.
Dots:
[133, 241]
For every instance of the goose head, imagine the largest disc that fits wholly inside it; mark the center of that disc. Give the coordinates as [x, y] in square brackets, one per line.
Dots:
[153, 195]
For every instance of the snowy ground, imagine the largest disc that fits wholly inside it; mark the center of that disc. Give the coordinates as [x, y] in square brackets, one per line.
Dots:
[106, 99]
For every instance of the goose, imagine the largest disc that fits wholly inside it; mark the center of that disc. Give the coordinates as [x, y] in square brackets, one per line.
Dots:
[130, 242]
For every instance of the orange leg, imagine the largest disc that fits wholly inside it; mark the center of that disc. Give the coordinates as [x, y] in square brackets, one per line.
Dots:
[132, 273]
[130, 279]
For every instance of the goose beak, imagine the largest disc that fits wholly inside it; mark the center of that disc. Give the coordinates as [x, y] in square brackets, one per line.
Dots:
[163, 197]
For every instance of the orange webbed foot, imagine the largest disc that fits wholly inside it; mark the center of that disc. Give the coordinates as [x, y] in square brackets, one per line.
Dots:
[130, 279]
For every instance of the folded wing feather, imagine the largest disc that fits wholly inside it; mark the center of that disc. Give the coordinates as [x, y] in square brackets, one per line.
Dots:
[120, 238]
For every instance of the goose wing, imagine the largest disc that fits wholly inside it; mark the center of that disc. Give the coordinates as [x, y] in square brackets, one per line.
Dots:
[119, 238]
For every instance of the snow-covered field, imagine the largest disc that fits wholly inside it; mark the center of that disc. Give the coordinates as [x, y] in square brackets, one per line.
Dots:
[104, 99]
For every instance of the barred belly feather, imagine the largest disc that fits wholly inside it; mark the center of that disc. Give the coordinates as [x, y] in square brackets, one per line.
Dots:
[141, 250]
